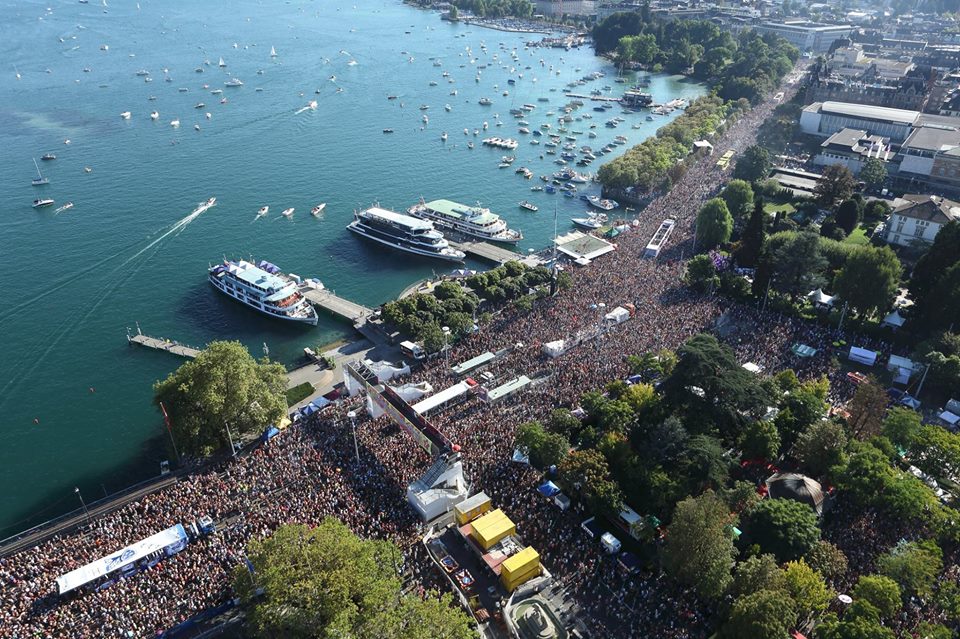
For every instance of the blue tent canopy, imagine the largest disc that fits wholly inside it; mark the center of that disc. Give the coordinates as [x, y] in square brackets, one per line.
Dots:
[320, 402]
[629, 562]
[309, 409]
[270, 433]
[548, 489]
[634, 379]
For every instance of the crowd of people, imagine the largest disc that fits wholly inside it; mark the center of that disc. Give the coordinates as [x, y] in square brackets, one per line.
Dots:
[310, 471]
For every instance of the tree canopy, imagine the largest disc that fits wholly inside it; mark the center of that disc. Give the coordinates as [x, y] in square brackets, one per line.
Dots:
[699, 549]
[714, 224]
[327, 582]
[753, 164]
[224, 387]
[835, 183]
[544, 448]
[785, 528]
[869, 279]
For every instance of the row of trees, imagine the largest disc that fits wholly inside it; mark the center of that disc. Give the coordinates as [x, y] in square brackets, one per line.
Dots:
[423, 315]
[654, 163]
[489, 8]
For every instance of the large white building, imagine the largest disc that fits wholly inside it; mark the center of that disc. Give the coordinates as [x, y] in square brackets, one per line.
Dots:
[807, 36]
[558, 8]
[918, 218]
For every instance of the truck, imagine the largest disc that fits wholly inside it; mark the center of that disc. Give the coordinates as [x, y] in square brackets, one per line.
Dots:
[412, 349]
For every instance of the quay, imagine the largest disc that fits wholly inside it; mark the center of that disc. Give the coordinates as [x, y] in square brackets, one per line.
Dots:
[595, 98]
[332, 303]
[491, 252]
[162, 344]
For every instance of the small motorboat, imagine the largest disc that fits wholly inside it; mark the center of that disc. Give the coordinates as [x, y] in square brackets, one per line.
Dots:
[263, 211]
[175, 123]
[388, 130]
[48, 157]
[42, 202]
[318, 209]
[155, 115]
[199, 105]
[592, 221]
[287, 213]
[529, 206]
[125, 115]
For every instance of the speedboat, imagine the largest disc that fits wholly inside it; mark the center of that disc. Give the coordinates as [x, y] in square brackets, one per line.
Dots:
[603, 204]
[155, 115]
[318, 209]
[592, 221]
[48, 156]
[388, 130]
[263, 211]
[443, 136]
[125, 115]
[529, 206]
[199, 105]
[287, 213]
[175, 123]
[42, 202]
[233, 82]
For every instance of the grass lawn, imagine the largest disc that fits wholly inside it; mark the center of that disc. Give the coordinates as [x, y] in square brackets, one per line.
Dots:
[859, 236]
[299, 393]
[772, 208]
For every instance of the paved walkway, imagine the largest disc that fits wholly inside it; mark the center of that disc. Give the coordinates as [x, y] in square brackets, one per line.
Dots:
[324, 379]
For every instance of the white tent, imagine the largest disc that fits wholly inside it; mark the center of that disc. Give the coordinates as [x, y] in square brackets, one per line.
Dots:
[894, 319]
[753, 368]
[902, 367]
[819, 298]
[863, 355]
[610, 543]
[554, 349]
[618, 315]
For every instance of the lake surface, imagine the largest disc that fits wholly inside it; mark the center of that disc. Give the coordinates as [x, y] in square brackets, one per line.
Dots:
[75, 400]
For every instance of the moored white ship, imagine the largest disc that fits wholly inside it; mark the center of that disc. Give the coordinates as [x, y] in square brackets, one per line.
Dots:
[264, 288]
[469, 220]
[403, 232]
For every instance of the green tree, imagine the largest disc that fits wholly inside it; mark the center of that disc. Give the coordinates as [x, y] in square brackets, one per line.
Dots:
[942, 306]
[914, 565]
[739, 197]
[835, 183]
[753, 164]
[760, 440]
[866, 474]
[783, 527]
[699, 549]
[869, 279]
[881, 592]
[848, 215]
[867, 410]
[544, 448]
[765, 614]
[874, 173]
[901, 426]
[931, 269]
[755, 573]
[586, 472]
[827, 559]
[795, 262]
[327, 582]
[820, 447]
[807, 588]
[701, 274]
[224, 387]
[751, 240]
[714, 224]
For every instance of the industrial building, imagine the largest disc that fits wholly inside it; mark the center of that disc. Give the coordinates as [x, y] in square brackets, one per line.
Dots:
[810, 37]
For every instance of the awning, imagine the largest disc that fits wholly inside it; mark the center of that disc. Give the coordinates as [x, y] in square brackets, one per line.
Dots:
[950, 418]
[820, 298]
[894, 319]
[548, 489]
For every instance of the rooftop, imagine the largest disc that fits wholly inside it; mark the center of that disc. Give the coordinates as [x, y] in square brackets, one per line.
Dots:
[929, 138]
[931, 208]
[868, 112]
[258, 277]
[475, 214]
[400, 219]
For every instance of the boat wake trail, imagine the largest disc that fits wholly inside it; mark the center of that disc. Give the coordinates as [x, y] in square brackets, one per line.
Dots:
[70, 323]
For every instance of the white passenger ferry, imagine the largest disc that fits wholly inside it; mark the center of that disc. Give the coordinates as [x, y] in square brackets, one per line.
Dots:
[403, 232]
[469, 220]
[263, 287]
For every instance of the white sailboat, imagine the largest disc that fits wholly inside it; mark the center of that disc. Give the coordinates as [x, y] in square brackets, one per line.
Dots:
[39, 180]
[273, 52]
[221, 64]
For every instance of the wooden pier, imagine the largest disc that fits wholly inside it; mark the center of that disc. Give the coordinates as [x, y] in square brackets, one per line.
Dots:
[595, 98]
[160, 344]
[332, 303]
[487, 251]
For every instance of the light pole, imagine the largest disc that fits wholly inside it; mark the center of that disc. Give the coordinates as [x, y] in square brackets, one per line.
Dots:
[353, 422]
[446, 342]
[82, 503]
[233, 450]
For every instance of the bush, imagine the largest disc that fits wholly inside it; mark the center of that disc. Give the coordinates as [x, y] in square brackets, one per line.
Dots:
[299, 393]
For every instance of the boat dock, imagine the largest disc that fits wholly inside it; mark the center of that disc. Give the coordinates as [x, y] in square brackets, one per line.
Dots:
[162, 344]
[332, 303]
[595, 98]
[486, 251]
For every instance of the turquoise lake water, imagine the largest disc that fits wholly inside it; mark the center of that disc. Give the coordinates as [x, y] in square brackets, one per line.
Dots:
[74, 282]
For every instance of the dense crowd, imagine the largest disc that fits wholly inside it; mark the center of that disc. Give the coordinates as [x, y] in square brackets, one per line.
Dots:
[310, 471]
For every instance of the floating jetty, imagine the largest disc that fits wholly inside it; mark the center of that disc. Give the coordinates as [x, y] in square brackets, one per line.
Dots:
[595, 98]
[332, 303]
[162, 344]
[486, 251]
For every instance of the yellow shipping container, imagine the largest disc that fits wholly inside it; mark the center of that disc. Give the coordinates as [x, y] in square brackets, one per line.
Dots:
[491, 528]
[512, 581]
[471, 508]
[520, 562]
